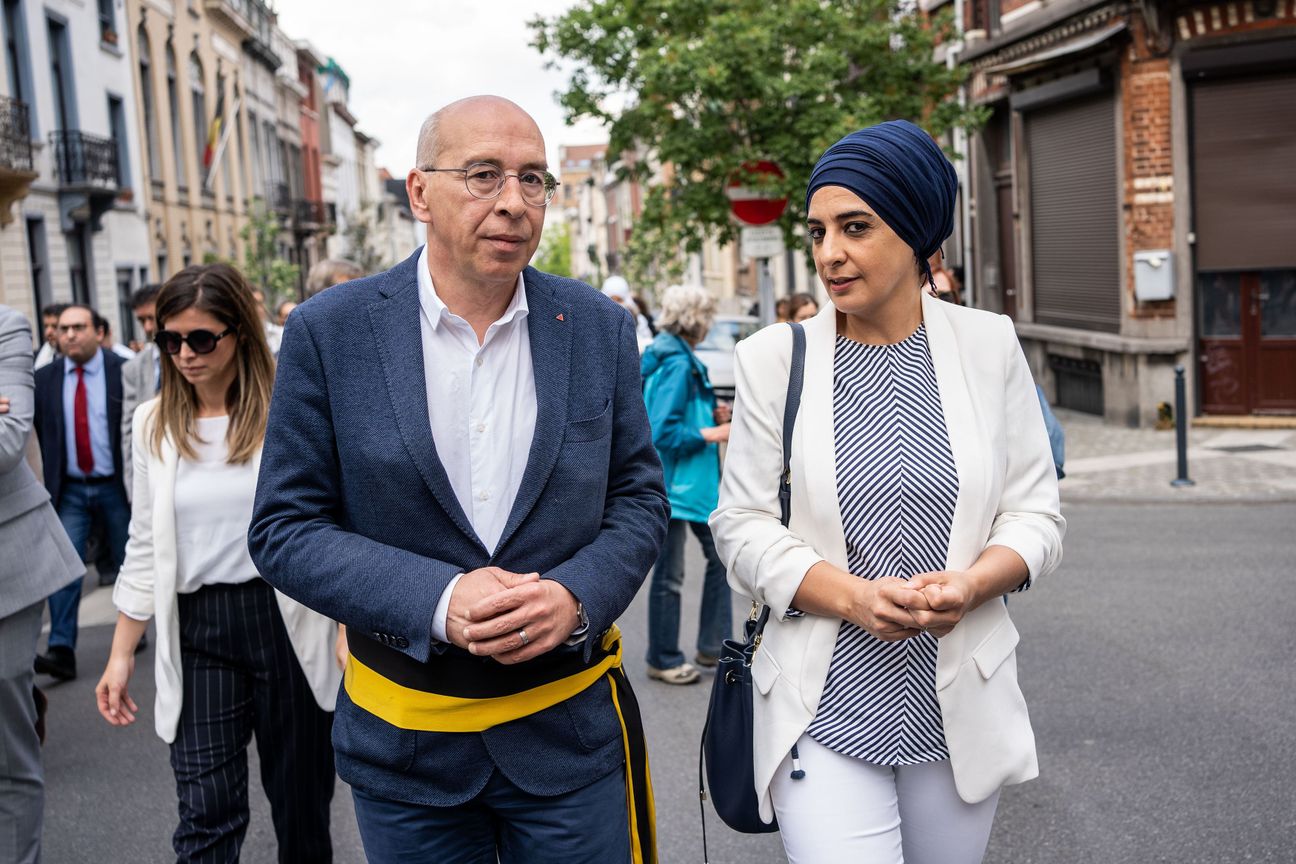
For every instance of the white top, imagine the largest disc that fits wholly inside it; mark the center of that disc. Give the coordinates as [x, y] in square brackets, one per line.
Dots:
[482, 409]
[213, 508]
[44, 356]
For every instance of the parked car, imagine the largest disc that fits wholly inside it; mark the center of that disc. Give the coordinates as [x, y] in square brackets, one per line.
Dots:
[716, 351]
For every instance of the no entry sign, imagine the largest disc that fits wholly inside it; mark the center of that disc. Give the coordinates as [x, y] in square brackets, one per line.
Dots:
[750, 204]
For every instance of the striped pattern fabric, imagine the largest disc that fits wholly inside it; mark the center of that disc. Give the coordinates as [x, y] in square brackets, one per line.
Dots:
[897, 486]
[242, 680]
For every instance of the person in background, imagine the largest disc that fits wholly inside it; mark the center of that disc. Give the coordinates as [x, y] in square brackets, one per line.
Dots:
[111, 343]
[782, 310]
[801, 307]
[686, 427]
[886, 710]
[273, 332]
[1056, 434]
[141, 376]
[49, 326]
[78, 424]
[330, 272]
[38, 560]
[642, 305]
[285, 309]
[617, 289]
[947, 284]
[236, 659]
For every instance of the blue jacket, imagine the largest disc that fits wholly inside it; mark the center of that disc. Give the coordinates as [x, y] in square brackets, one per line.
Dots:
[356, 518]
[680, 403]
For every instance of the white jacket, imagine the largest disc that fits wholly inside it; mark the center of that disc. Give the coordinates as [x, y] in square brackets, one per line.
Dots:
[146, 585]
[1007, 497]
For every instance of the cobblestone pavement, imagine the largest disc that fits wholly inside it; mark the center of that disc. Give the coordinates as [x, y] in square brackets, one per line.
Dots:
[1111, 463]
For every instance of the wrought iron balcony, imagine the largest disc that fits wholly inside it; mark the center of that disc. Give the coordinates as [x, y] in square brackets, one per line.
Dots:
[308, 215]
[16, 174]
[15, 135]
[85, 160]
[279, 197]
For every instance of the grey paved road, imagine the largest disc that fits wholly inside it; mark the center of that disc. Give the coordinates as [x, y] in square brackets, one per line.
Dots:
[1159, 665]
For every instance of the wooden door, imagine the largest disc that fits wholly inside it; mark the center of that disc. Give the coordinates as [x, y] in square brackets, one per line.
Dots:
[1248, 342]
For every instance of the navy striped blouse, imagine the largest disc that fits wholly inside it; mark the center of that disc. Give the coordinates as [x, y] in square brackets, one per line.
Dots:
[897, 485]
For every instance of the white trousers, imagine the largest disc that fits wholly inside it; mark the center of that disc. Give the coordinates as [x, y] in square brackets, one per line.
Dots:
[848, 811]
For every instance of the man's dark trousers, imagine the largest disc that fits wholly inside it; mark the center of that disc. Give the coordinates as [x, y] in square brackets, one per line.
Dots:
[587, 826]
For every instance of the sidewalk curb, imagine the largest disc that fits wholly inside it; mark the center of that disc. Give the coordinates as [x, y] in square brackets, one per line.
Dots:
[1178, 499]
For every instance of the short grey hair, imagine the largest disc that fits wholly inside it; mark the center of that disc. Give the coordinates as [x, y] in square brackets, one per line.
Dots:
[687, 311]
[426, 155]
[330, 272]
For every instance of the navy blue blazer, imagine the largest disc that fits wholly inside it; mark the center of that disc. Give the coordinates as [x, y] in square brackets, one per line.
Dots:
[356, 518]
[50, 429]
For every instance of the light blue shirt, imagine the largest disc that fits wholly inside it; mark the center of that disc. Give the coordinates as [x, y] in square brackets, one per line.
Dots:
[96, 383]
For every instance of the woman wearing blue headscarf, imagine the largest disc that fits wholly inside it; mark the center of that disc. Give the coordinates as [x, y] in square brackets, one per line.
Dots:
[887, 711]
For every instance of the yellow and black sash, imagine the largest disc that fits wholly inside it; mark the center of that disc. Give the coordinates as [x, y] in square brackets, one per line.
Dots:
[450, 694]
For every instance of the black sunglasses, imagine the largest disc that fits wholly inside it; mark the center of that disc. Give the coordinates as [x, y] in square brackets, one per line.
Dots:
[199, 341]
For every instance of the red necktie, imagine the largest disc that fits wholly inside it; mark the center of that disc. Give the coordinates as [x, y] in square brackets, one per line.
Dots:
[81, 421]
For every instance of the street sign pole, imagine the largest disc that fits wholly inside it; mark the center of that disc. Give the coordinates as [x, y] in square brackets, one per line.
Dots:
[761, 238]
[765, 288]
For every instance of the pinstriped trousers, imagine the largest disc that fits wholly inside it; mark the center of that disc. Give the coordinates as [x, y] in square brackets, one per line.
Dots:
[241, 680]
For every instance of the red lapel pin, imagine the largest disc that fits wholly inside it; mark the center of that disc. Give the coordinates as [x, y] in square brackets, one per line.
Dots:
[560, 317]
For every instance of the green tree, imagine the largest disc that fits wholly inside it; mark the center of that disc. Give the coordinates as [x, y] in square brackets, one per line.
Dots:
[708, 85]
[263, 267]
[555, 254]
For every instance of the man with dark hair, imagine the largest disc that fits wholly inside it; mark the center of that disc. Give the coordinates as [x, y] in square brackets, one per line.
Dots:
[49, 325]
[109, 342]
[142, 375]
[78, 424]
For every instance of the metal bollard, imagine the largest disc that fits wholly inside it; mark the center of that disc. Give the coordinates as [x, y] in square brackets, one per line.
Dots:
[1181, 429]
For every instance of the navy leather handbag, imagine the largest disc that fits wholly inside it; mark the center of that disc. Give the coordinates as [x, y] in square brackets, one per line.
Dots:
[727, 740]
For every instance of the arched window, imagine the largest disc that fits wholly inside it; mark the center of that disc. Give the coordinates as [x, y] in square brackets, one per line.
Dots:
[173, 103]
[199, 91]
[150, 108]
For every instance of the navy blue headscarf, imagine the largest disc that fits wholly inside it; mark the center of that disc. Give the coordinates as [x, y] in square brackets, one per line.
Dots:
[902, 174]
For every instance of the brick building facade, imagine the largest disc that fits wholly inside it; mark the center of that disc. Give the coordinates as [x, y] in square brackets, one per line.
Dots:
[1130, 195]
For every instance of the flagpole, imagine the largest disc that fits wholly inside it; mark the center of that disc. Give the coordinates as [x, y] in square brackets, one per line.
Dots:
[220, 147]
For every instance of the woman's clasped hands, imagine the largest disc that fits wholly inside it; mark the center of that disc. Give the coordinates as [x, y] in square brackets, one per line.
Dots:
[893, 609]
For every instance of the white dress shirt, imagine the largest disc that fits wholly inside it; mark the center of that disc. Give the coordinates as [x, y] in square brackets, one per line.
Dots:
[482, 409]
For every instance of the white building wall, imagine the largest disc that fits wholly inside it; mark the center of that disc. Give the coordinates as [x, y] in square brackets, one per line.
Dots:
[346, 186]
[98, 70]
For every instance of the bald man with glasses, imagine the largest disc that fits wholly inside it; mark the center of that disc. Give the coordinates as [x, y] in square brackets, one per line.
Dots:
[468, 483]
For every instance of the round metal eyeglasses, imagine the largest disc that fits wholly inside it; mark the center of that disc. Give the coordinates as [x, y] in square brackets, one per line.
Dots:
[484, 180]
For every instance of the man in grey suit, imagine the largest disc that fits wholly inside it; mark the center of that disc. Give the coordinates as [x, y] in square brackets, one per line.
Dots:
[38, 560]
[140, 375]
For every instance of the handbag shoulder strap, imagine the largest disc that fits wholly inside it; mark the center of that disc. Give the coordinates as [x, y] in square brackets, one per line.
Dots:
[796, 376]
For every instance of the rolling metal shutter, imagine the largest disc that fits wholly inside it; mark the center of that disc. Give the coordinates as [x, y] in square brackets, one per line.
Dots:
[1075, 231]
[1244, 172]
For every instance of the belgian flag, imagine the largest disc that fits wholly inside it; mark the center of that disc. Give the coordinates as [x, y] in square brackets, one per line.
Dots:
[214, 131]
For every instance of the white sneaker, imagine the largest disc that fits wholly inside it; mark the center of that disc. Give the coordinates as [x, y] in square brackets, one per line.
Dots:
[684, 673]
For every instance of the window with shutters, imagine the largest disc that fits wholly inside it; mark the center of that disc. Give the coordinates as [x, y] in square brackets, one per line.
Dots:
[1075, 213]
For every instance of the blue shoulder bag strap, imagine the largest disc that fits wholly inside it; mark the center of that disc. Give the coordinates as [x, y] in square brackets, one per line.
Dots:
[796, 375]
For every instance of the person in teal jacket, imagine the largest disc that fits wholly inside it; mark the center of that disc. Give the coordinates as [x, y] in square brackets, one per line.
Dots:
[687, 427]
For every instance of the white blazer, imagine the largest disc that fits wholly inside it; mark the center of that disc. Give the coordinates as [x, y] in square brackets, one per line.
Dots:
[1007, 497]
[146, 585]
